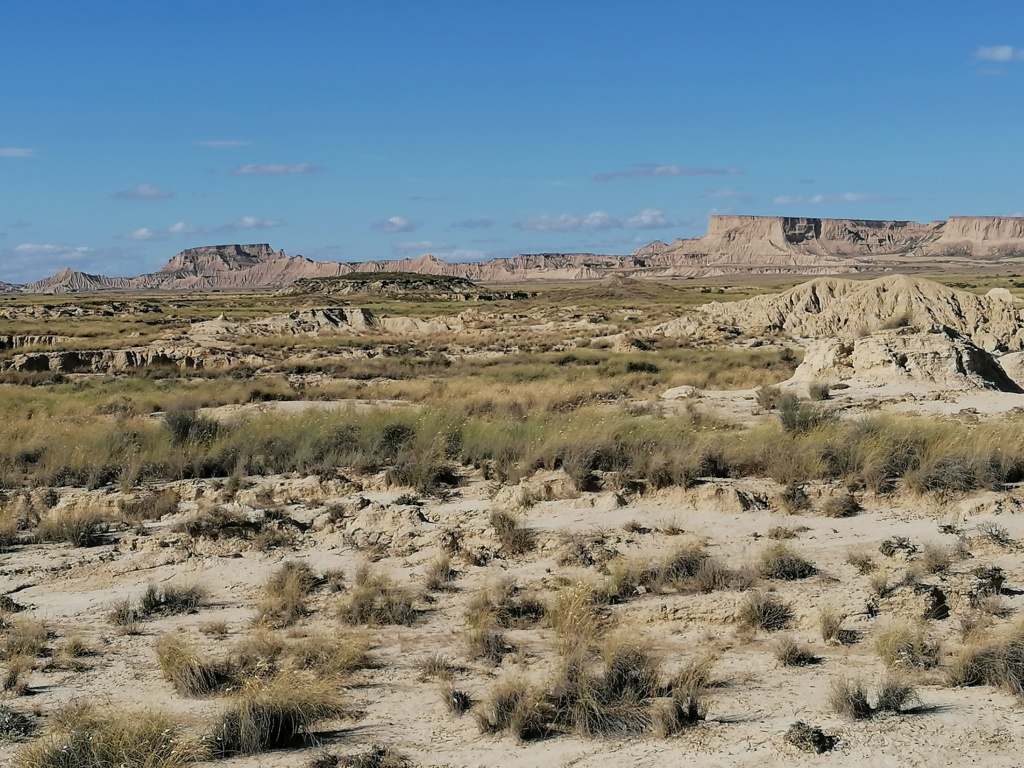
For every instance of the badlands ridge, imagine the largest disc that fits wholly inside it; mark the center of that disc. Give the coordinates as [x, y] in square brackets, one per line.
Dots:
[732, 245]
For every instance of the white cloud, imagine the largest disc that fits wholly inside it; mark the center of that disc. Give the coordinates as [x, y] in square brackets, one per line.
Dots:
[653, 170]
[34, 249]
[181, 228]
[143, 192]
[222, 144]
[845, 197]
[251, 222]
[999, 53]
[568, 222]
[394, 225]
[142, 234]
[420, 246]
[472, 223]
[648, 218]
[16, 152]
[274, 169]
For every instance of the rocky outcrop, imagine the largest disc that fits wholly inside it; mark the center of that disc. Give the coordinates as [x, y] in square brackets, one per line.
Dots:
[18, 341]
[120, 360]
[405, 285]
[848, 309]
[319, 322]
[939, 357]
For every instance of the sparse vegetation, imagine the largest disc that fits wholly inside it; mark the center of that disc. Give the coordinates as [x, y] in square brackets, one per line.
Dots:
[778, 561]
[376, 599]
[764, 610]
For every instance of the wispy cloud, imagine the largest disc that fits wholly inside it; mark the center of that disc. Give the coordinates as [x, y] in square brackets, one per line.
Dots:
[16, 152]
[182, 228]
[728, 193]
[143, 192]
[394, 225]
[67, 251]
[845, 197]
[222, 143]
[654, 171]
[251, 222]
[419, 246]
[275, 169]
[568, 222]
[142, 234]
[472, 223]
[999, 53]
[648, 218]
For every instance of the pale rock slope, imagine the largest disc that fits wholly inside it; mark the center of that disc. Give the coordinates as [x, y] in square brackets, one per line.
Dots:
[846, 309]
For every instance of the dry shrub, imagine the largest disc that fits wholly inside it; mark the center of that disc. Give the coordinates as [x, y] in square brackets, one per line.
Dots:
[16, 668]
[505, 604]
[439, 574]
[896, 694]
[830, 621]
[681, 569]
[998, 662]
[687, 704]
[23, 636]
[274, 713]
[574, 616]
[906, 645]
[377, 756]
[844, 505]
[286, 594]
[935, 558]
[75, 526]
[376, 599]
[89, 737]
[458, 702]
[585, 548]
[515, 538]
[171, 600]
[330, 655]
[149, 506]
[186, 669]
[779, 561]
[794, 498]
[513, 706]
[437, 666]
[861, 560]
[257, 655]
[487, 643]
[15, 726]
[819, 390]
[764, 610]
[809, 738]
[217, 523]
[849, 698]
[878, 584]
[789, 653]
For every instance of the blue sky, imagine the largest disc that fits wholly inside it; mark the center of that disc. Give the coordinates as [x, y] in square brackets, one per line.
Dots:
[356, 130]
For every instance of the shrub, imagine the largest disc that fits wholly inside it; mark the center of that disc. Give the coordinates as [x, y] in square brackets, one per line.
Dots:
[799, 416]
[845, 505]
[75, 526]
[897, 544]
[458, 702]
[171, 600]
[896, 694]
[88, 737]
[849, 698]
[998, 662]
[505, 604]
[790, 654]
[375, 599]
[488, 643]
[22, 637]
[285, 594]
[818, 390]
[272, 714]
[935, 558]
[439, 574]
[764, 610]
[332, 655]
[778, 561]
[860, 560]
[189, 673]
[187, 426]
[687, 704]
[768, 396]
[377, 756]
[830, 621]
[14, 725]
[901, 644]
[794, 498]
[514, 707]
[809, 738]
[514, 537]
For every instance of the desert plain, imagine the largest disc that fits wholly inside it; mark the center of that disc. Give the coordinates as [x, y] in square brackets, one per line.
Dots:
[728, 518]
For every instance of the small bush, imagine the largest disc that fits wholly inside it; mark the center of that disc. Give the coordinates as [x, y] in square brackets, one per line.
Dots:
[458, 702]
[377, 756]
[896, 694]
[861, 560]
[819, 390]
[439, 574]
[189, 673]
[187, 426]
[377, 600]
[514, 707]
[935, 558]
[799, 416]
[778, 561]
[764, 610]
[830, 621]
[488, 643]
[895, 545]
[75, 526]
[514, 537]
[286, 594]
[15, 726]
[272, 714]
[171, 600]
[808, 738]
[794, 498]
[768, 397]
[791, 654]
[686, 705]
[905, 645]
[844, 505]
[331, 655]
[849, 698]
[22, 637]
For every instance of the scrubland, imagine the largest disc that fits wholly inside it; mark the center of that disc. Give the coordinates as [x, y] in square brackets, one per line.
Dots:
[501, 554]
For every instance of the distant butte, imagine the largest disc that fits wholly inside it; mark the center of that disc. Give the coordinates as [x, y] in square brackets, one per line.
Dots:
[732, 245]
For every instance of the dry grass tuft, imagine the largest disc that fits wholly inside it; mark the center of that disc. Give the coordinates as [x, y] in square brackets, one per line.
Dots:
[896, 694]
[845, 505]
[764, 610]
[286, 594]
[905, 645]
[789, 653]
[274, 713]
[514, 537]
[185, 668]
[375, 599]
[779, 561]
[439, 574]
[830, 622]
[513, 706]
[330, 655]
[75, 526]
[849, 698]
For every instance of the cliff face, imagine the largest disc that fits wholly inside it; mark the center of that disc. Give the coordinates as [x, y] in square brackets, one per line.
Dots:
[982, 236]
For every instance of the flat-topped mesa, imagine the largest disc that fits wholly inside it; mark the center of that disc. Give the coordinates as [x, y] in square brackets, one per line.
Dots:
[840, 237]
[221, 258]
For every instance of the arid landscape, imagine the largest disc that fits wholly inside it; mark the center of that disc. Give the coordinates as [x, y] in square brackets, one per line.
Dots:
[753, 501]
